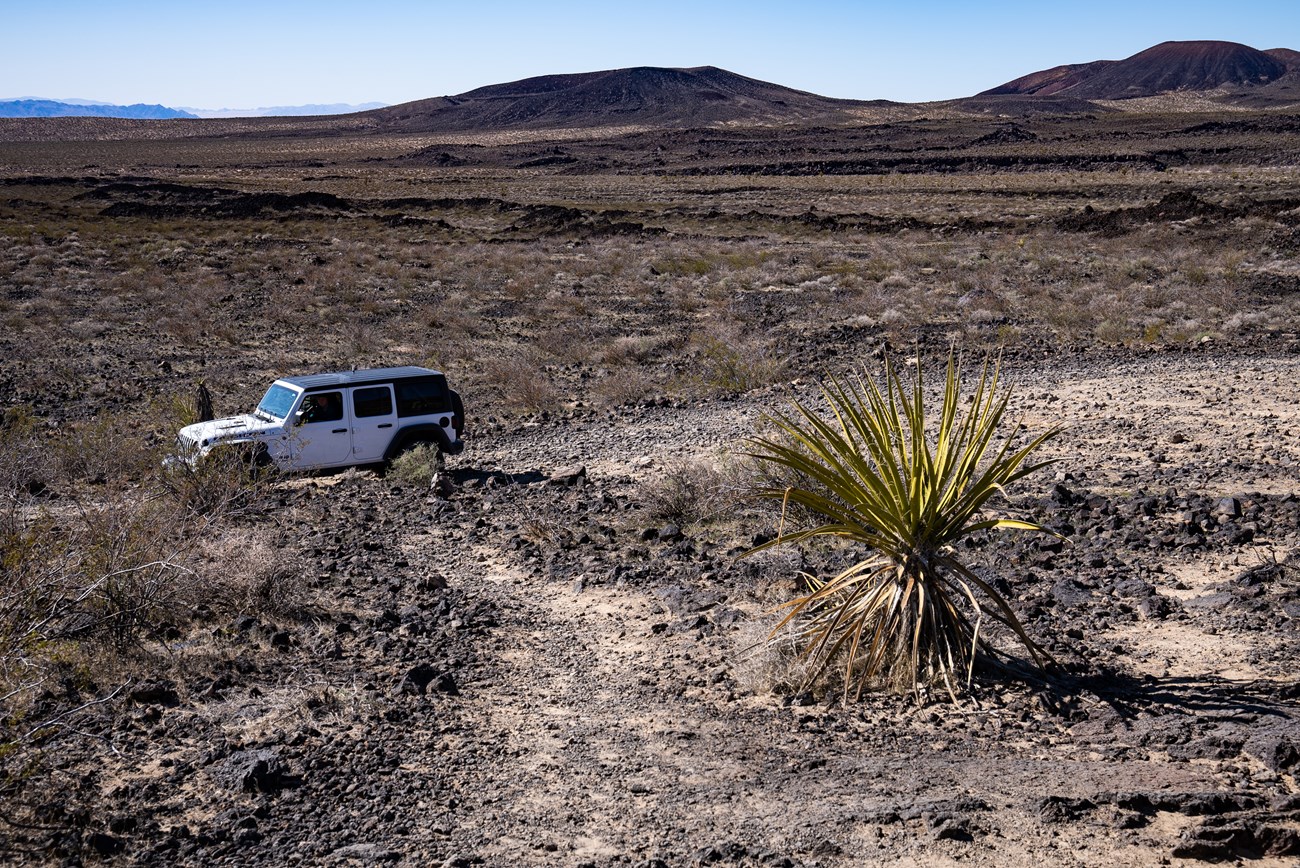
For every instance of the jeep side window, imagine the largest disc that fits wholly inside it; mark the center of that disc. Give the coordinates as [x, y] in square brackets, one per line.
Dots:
[322, 407]
[422, 397]
[376, 401]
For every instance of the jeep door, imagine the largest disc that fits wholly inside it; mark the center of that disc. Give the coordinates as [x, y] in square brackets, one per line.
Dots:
[321, 436]
[373, 422]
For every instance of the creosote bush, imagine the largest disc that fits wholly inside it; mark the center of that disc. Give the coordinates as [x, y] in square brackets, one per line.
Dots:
[878, 472]
[415, 466]
[686, 492]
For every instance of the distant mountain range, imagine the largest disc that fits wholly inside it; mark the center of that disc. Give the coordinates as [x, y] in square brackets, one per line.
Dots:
[707, 96]
[1183, 75]
[38, 107]
[336, 108]
[31, 107]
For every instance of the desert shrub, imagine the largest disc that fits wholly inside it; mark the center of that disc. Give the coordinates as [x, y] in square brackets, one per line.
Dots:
[24, 463]
[635, 349]
[415, 466]
[521, 383]
[909, 614]
[224, 483]
[245, 571]
[687, 492]
[111, 448]
[684, 266]
[735, 366]
[624, 386]
[87, 587]
[106, 573]
[542, 532]
[127, 570]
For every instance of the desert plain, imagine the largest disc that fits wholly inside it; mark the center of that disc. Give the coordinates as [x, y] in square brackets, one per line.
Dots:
[556, 656]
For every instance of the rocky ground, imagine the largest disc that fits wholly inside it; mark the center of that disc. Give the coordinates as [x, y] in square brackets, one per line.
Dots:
[530, 667]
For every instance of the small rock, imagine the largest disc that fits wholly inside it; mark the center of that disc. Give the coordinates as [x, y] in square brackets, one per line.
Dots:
[1155, 608]
[1216, 842]
[574, 474]
[417, 680]
[1069, 592]
[1228, 506]
[951, 828]
[446, 684]
[433, 582]
[254, 771]
[104, 844]
[1277, 752]
[155, 693]
[1059, 809]
[367, 853]
[442, 486]
[670, 533]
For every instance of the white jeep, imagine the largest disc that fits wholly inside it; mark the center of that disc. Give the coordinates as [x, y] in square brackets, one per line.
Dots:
[337, 420]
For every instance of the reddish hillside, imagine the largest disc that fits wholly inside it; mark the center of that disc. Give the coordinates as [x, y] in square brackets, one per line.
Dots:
[1049, 81]
[1167, 67]
[701, 96]
[1287, 56]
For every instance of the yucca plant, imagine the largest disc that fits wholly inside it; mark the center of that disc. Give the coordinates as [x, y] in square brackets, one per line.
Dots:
[908, 615]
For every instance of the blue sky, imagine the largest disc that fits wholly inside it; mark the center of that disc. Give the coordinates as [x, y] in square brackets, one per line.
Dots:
[248, 54]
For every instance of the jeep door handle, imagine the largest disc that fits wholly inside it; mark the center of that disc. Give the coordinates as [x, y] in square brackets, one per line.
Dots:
[339, 431]
[385, 425]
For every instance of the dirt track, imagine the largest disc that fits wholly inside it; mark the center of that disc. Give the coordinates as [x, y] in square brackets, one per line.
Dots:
[614, 740]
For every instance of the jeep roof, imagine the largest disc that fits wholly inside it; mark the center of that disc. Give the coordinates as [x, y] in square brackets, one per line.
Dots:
[311, 382]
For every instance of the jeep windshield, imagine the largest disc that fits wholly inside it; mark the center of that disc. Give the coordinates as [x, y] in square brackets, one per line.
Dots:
[277, 402]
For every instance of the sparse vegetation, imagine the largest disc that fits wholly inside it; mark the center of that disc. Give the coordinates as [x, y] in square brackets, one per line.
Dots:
[105, 556]
[627, 309]
[415, 466]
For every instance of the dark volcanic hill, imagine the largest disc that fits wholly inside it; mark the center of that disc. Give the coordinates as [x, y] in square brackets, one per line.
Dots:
[1164, 68]
[640, 96]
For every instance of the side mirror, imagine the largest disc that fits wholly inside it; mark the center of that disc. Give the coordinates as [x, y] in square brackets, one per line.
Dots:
[299, 417]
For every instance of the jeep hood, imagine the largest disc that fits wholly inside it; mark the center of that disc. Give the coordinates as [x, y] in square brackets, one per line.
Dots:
[233, 428]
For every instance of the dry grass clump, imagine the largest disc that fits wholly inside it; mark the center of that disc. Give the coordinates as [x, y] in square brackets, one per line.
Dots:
[689, 492]
[415, 466]
[770, 661]
[731, 363]
[625, 386]
[521, 382]
[246, 570]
